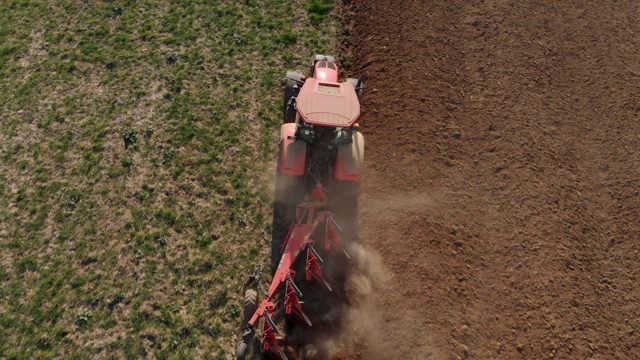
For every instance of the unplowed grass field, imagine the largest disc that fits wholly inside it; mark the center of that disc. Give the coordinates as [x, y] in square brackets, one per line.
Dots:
[137, 141]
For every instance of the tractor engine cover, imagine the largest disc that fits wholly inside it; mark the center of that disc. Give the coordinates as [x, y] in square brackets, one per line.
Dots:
[328, 103]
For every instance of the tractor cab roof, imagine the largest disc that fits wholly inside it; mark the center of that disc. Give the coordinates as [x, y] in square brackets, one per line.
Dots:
[328, 103]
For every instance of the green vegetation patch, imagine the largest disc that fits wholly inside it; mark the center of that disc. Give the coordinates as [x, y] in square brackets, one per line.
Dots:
[318, 10]
[137, 144]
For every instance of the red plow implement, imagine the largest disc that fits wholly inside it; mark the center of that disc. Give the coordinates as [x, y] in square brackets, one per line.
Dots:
[315, 230]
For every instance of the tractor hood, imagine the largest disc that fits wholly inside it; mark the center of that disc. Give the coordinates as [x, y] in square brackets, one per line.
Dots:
[328, 103]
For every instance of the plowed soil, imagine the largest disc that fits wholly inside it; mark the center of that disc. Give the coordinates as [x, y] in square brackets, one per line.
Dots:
[502, 181]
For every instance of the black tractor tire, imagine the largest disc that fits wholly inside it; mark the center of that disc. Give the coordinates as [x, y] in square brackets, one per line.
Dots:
[249, 351]
[250, 304]
[357, 83]
[289, 193]
[292, 87]
[289, 115]
[241, 351]
[249, 347]
[343, 200]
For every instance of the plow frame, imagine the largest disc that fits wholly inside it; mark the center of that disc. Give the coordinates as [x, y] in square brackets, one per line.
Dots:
[310, 216]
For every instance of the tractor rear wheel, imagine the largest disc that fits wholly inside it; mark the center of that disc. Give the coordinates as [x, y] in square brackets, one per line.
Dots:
[289, 193]
[344, 205]
[287, 197]
[291, 88]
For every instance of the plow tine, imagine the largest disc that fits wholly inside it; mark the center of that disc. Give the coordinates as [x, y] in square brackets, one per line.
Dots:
[313, 267]
[269, 340]
[335, 223]
[306, 319]
[272, 324]
[315, 253]
[292, 302]
[282, 355]
[332, 238]
[295, 287]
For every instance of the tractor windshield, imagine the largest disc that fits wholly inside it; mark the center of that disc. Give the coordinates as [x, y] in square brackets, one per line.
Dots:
[324, 135]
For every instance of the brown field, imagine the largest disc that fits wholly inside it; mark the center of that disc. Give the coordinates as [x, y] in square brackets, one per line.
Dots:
[502, 178]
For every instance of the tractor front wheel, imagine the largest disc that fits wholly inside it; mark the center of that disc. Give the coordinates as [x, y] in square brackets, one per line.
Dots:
[357, 84]
[250, 304]
[291, 88]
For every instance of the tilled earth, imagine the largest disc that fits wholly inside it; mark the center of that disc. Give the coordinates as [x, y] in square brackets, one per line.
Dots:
[502, 184]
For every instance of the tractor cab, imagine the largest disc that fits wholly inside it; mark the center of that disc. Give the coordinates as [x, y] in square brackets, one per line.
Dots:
[327, 109]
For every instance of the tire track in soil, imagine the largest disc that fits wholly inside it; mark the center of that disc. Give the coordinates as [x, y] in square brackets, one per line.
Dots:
[502, 177]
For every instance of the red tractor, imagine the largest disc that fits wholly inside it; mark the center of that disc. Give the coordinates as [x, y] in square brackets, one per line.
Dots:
[314, 218]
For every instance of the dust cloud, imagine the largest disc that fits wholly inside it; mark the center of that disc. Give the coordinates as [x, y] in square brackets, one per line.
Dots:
[362, 334]
[366, 333]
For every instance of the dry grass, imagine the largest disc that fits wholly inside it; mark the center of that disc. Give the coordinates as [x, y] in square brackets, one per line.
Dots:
[134, 141]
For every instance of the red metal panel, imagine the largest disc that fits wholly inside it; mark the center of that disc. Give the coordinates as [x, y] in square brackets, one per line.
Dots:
[294, 152]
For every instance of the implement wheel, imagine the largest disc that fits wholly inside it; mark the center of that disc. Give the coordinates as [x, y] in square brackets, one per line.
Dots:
[241, 351]
[250, 304]
[249, 351]
[249, 347]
